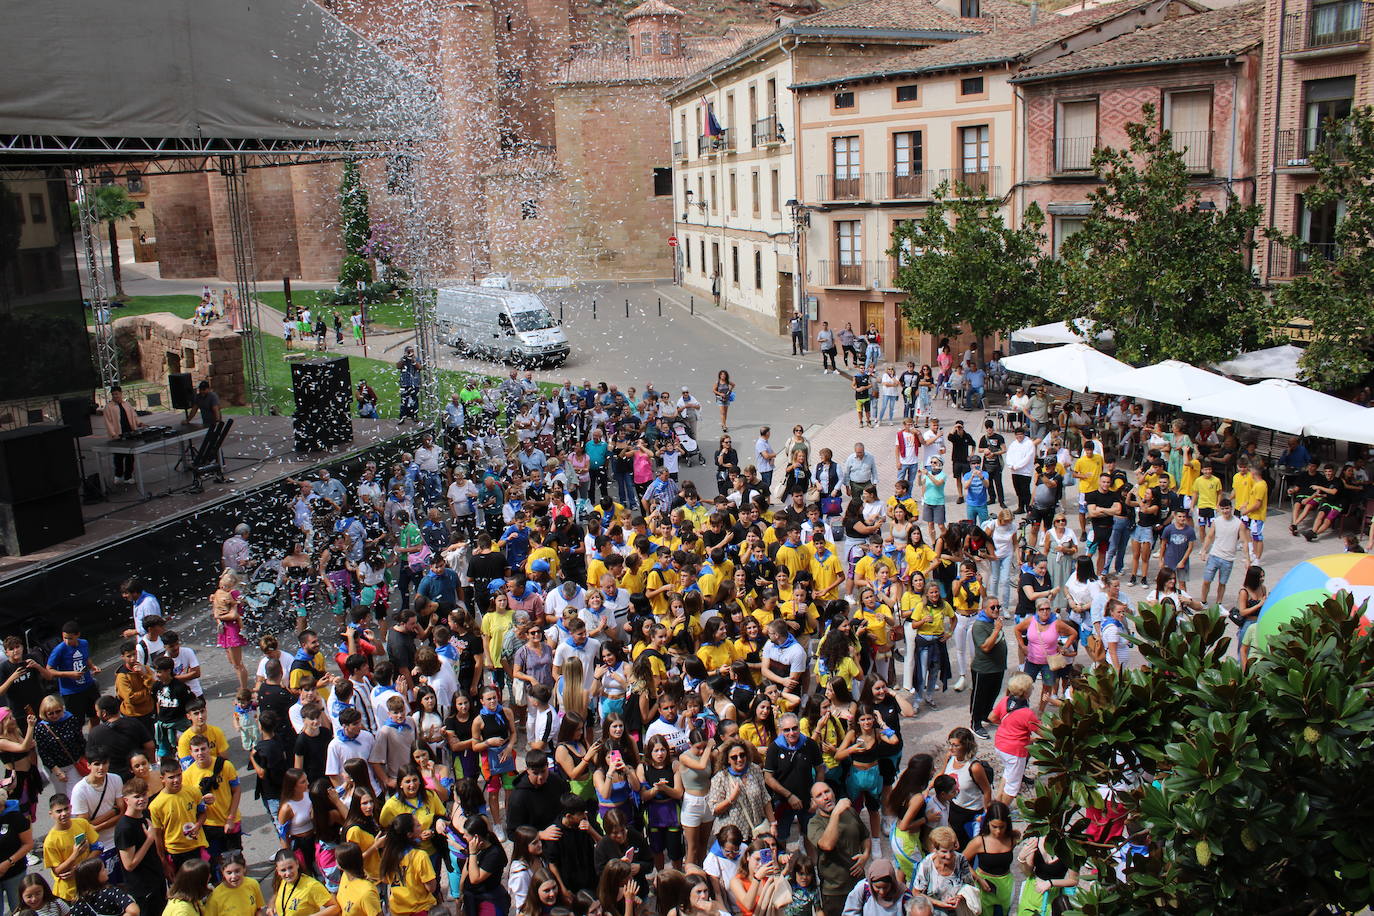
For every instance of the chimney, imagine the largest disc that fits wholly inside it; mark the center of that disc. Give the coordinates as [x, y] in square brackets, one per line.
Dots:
[1034, 11]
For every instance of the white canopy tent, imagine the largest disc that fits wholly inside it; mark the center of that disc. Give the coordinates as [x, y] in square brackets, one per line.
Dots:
[1169, 382]
[1076, 366]
[1358, 427]
[1276, 404]
[1059, 332]
[1272, 362]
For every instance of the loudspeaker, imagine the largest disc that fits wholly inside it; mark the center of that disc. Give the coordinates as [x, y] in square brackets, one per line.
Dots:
[76, 415]
[36, 462]
[323, 389]
[38, 523]
[183, 390]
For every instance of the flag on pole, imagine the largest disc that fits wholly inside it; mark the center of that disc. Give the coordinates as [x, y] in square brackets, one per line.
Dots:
[713, 128]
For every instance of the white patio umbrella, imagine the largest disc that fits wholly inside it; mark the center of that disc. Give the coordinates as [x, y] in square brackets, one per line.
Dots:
[1271, 362]
[1169, 382]
[1275, 404]
[1059, 332]
[1357, 427]
[1075, 366]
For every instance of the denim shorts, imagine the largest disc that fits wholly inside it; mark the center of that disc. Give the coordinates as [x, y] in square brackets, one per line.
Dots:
[1218, 569]
[1143, 534]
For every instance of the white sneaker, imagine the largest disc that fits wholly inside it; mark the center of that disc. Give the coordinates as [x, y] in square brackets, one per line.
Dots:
[959, 684]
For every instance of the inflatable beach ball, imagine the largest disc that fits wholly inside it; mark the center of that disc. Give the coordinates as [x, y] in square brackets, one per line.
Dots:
[1312, 582]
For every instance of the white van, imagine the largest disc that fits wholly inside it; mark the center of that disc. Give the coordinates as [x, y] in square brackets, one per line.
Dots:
[500, 324]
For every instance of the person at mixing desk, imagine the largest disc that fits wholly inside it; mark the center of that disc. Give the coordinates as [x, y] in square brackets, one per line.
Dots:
[120, 420]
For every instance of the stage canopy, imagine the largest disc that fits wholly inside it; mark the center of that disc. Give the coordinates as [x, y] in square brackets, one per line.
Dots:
[150, 77]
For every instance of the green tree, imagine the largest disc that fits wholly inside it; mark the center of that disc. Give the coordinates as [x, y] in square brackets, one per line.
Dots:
[353, 221]
[962, 265]
[1169, 276]
[112, 204]
[1336, 292]
[1248, 785]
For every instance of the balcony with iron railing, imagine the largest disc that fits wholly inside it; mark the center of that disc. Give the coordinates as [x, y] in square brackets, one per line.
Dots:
[1326, 29]
[1196, 148]
[1074, 155]
[985, 183]
[906, 184]
[767, 131]
[679, 149]
[711, 144]
[843, 186]
[833, 273]
[1286, 263]
[1293, 148]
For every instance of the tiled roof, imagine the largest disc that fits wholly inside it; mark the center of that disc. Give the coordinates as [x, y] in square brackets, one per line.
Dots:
[1216, 33]
[613, 63]
[886, 14]
[653, 8]
[998, 46]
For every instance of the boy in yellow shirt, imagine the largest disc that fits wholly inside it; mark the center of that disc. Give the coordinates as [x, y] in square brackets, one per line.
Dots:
[217, 778]
[1086, 470]
[790, 556]
[1257, 510]
[197, 713]
[66, 846]
[866, 570]
[826, 571]
[178, 816]
[1205, 492]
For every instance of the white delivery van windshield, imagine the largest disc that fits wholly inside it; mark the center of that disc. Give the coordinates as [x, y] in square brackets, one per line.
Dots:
[534, 320]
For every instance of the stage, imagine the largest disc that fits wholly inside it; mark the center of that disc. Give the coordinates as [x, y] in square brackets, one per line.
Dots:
[173, 537]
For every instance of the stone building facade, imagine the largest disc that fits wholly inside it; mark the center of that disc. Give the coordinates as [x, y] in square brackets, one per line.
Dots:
[155, 345]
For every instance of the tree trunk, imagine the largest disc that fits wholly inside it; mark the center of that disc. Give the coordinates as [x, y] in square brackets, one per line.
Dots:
[115, 273]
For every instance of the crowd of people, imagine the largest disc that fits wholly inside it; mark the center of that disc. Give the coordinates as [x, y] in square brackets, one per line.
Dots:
[558, 678]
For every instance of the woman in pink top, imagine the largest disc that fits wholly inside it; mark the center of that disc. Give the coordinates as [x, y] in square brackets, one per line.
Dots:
[1037, 638]
[644, 467]
[1017, 725]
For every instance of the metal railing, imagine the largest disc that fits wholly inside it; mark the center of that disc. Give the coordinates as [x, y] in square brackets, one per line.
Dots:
[1294, 147]
[1327, 25]
[1285, 262]
[851, 186]
[987, 183]
[1196, 147]
[679, 149]
[833, 273]
[767, 130]
[906, 185]
[1074, 154]
[709, 145]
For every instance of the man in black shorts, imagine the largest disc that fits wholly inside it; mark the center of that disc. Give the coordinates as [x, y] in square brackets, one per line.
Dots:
[960, 444]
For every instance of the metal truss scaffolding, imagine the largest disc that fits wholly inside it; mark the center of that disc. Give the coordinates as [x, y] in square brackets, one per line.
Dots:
[106, 355]
[245, 282]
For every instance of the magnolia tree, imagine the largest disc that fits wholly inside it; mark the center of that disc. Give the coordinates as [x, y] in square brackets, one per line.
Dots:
[1248, 786]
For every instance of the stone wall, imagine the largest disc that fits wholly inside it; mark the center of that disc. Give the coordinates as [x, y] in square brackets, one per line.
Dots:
[155, 345]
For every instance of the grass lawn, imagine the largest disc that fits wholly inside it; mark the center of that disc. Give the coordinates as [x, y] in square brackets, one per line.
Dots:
[181, 306]
[393, 315]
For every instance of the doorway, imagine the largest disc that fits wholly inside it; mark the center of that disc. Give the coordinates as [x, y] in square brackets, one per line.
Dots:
[872, 313]
[784, 301]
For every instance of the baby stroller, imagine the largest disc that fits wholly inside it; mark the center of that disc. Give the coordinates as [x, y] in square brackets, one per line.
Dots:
[264, 611]
[691, 452]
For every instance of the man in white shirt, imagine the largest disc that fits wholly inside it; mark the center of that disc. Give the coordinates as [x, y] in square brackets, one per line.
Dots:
[350, 740]
[616, 602]
[908, 452]
[784, 659]
[97, 797]
[763, 458]
[1021, 463]
[185, 665]
[144, 604]
[1228, 533]
[667, 725]
[569, 594]
[687, 410]
[577, 644]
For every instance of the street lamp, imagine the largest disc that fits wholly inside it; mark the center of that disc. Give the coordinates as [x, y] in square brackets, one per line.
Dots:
[801, 221]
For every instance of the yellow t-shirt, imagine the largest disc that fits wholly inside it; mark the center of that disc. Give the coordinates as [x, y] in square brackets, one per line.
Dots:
[826, 572]
[1259, 490]
[358, 897]
[596, 568]
[58, 845]
[218, 815]
[371, 860]
[698, 515]
[877, 624]
[543, 553]
[425, 810]
[1192, 470]
[918, 559]
[1240, 491]
[792, 559]
[867, 567]
[968, 597]
[804, 616]
[743, 649]
[910, 605]
[764, 617]
[717, 656]
[1206, 491]
[219, 745]
[182, 908]
[751, 733]
[709, 583]
[298, 674]
[935, 617]
[658, 577]
[172, 812]
[302, 897]
[634, 582]
[908, 504]
[408, 891]
[235, 901]
[848, 671]
[1090, 465]
[495, 626]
